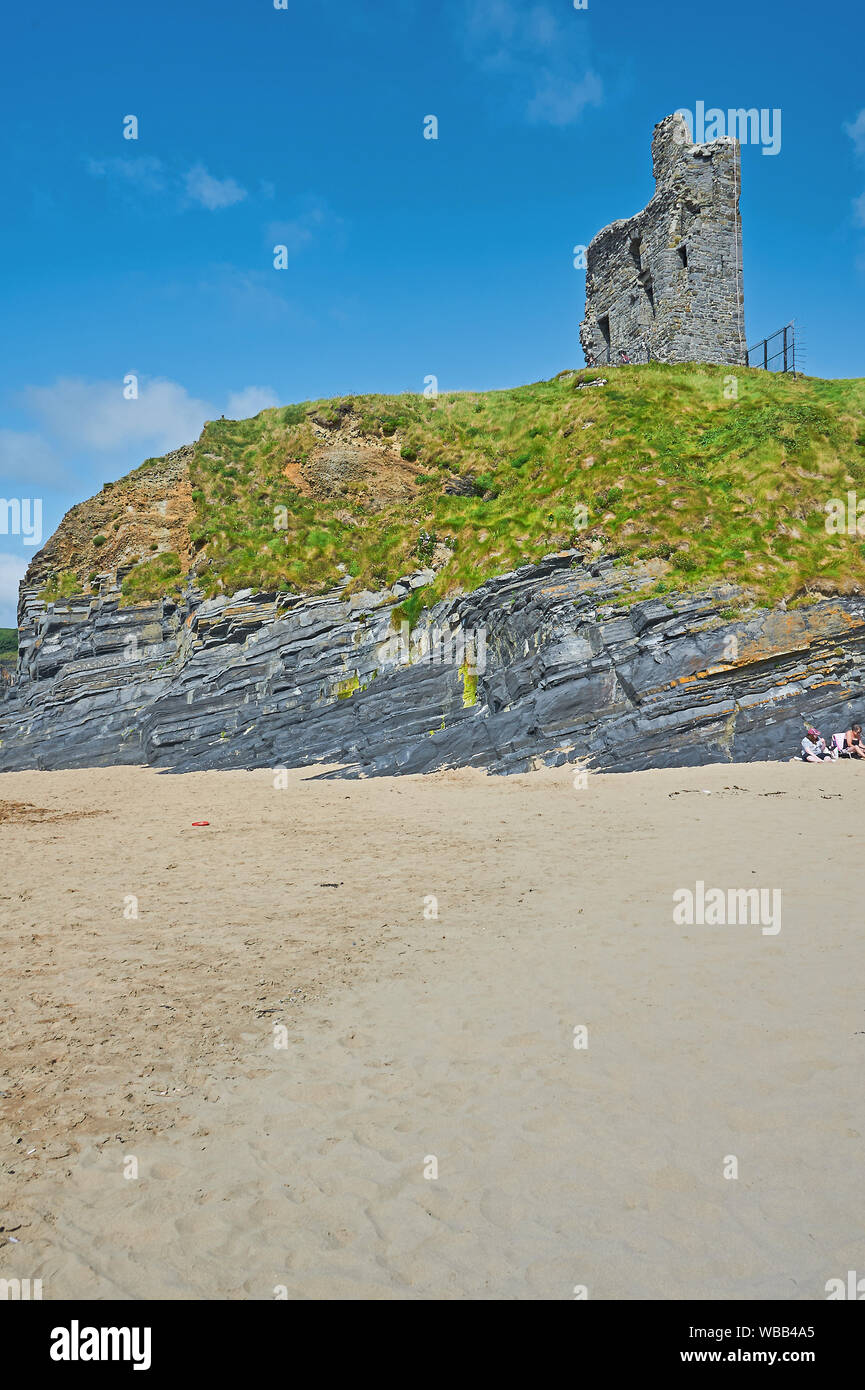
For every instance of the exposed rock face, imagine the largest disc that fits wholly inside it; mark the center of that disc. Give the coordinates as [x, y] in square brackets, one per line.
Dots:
[345, 461]
[143, 514]
[667, 283]
[562, 674]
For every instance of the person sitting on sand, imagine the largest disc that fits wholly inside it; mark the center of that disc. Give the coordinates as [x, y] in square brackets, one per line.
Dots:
[853, 743]
[814, 748]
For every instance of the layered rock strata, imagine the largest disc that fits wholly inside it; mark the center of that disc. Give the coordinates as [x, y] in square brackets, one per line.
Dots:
[564, 661]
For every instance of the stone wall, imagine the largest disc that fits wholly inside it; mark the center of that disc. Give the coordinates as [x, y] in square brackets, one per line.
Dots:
[667, 283]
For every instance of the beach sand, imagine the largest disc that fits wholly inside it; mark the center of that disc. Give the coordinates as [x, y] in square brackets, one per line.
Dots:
[148, 967]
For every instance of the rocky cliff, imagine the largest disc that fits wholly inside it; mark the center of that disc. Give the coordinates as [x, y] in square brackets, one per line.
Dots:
[636, 574]
[558, 661]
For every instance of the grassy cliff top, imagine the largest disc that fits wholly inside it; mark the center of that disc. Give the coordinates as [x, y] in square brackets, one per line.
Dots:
[667, 462]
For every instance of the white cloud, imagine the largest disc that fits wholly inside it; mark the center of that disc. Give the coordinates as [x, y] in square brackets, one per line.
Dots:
[560, 101]
[12, 570]
[299, 231]
[243, 404]
[255, 296]
[212, 193]
[25, 455]
[533, 47]
[542, 27]
[147, 174]
[143, 172]
[856, 131]
[294, 236]
[492, 20]
[95, 415]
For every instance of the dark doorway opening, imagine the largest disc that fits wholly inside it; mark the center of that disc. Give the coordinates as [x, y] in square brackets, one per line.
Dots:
[604, 325]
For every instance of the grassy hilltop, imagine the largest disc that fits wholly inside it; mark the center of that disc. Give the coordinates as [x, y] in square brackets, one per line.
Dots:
[666, 465]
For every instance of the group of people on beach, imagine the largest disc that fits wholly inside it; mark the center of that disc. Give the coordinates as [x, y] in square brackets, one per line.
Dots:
[817, 749]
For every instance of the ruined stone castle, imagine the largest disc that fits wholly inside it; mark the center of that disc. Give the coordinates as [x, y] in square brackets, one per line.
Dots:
[666, 285]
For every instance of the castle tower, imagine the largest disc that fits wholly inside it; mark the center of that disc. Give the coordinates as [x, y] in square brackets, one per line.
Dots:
[667, 283]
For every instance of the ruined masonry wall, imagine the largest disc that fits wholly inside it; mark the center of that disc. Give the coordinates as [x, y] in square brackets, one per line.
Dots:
[667, 283]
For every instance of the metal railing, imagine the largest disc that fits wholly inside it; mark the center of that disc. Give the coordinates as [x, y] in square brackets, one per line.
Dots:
[782, 351]
[782, 356]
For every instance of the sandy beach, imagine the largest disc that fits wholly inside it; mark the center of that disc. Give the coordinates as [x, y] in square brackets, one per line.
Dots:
[430, 1037]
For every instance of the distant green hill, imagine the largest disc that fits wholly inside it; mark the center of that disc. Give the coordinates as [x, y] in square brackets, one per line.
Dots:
[668, 463]
[8, 645]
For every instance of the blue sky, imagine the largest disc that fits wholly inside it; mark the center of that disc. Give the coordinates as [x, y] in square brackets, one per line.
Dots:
[304, 127]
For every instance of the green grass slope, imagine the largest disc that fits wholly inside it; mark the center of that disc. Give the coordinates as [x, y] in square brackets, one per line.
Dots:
[666, 464]
[712, 473]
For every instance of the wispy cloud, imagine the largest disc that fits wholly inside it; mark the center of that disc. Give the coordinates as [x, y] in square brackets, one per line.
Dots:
[254, 296]
[27, 457]
[538, 51]
[144, 173]
[560, 101]
[83, 414]
[243, 404]
[296, 233]
[856, 130]
[76, 415]
[147, 175]
[212, 193]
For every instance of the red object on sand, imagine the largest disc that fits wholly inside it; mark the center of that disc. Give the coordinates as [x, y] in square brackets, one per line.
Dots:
[201, 822]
